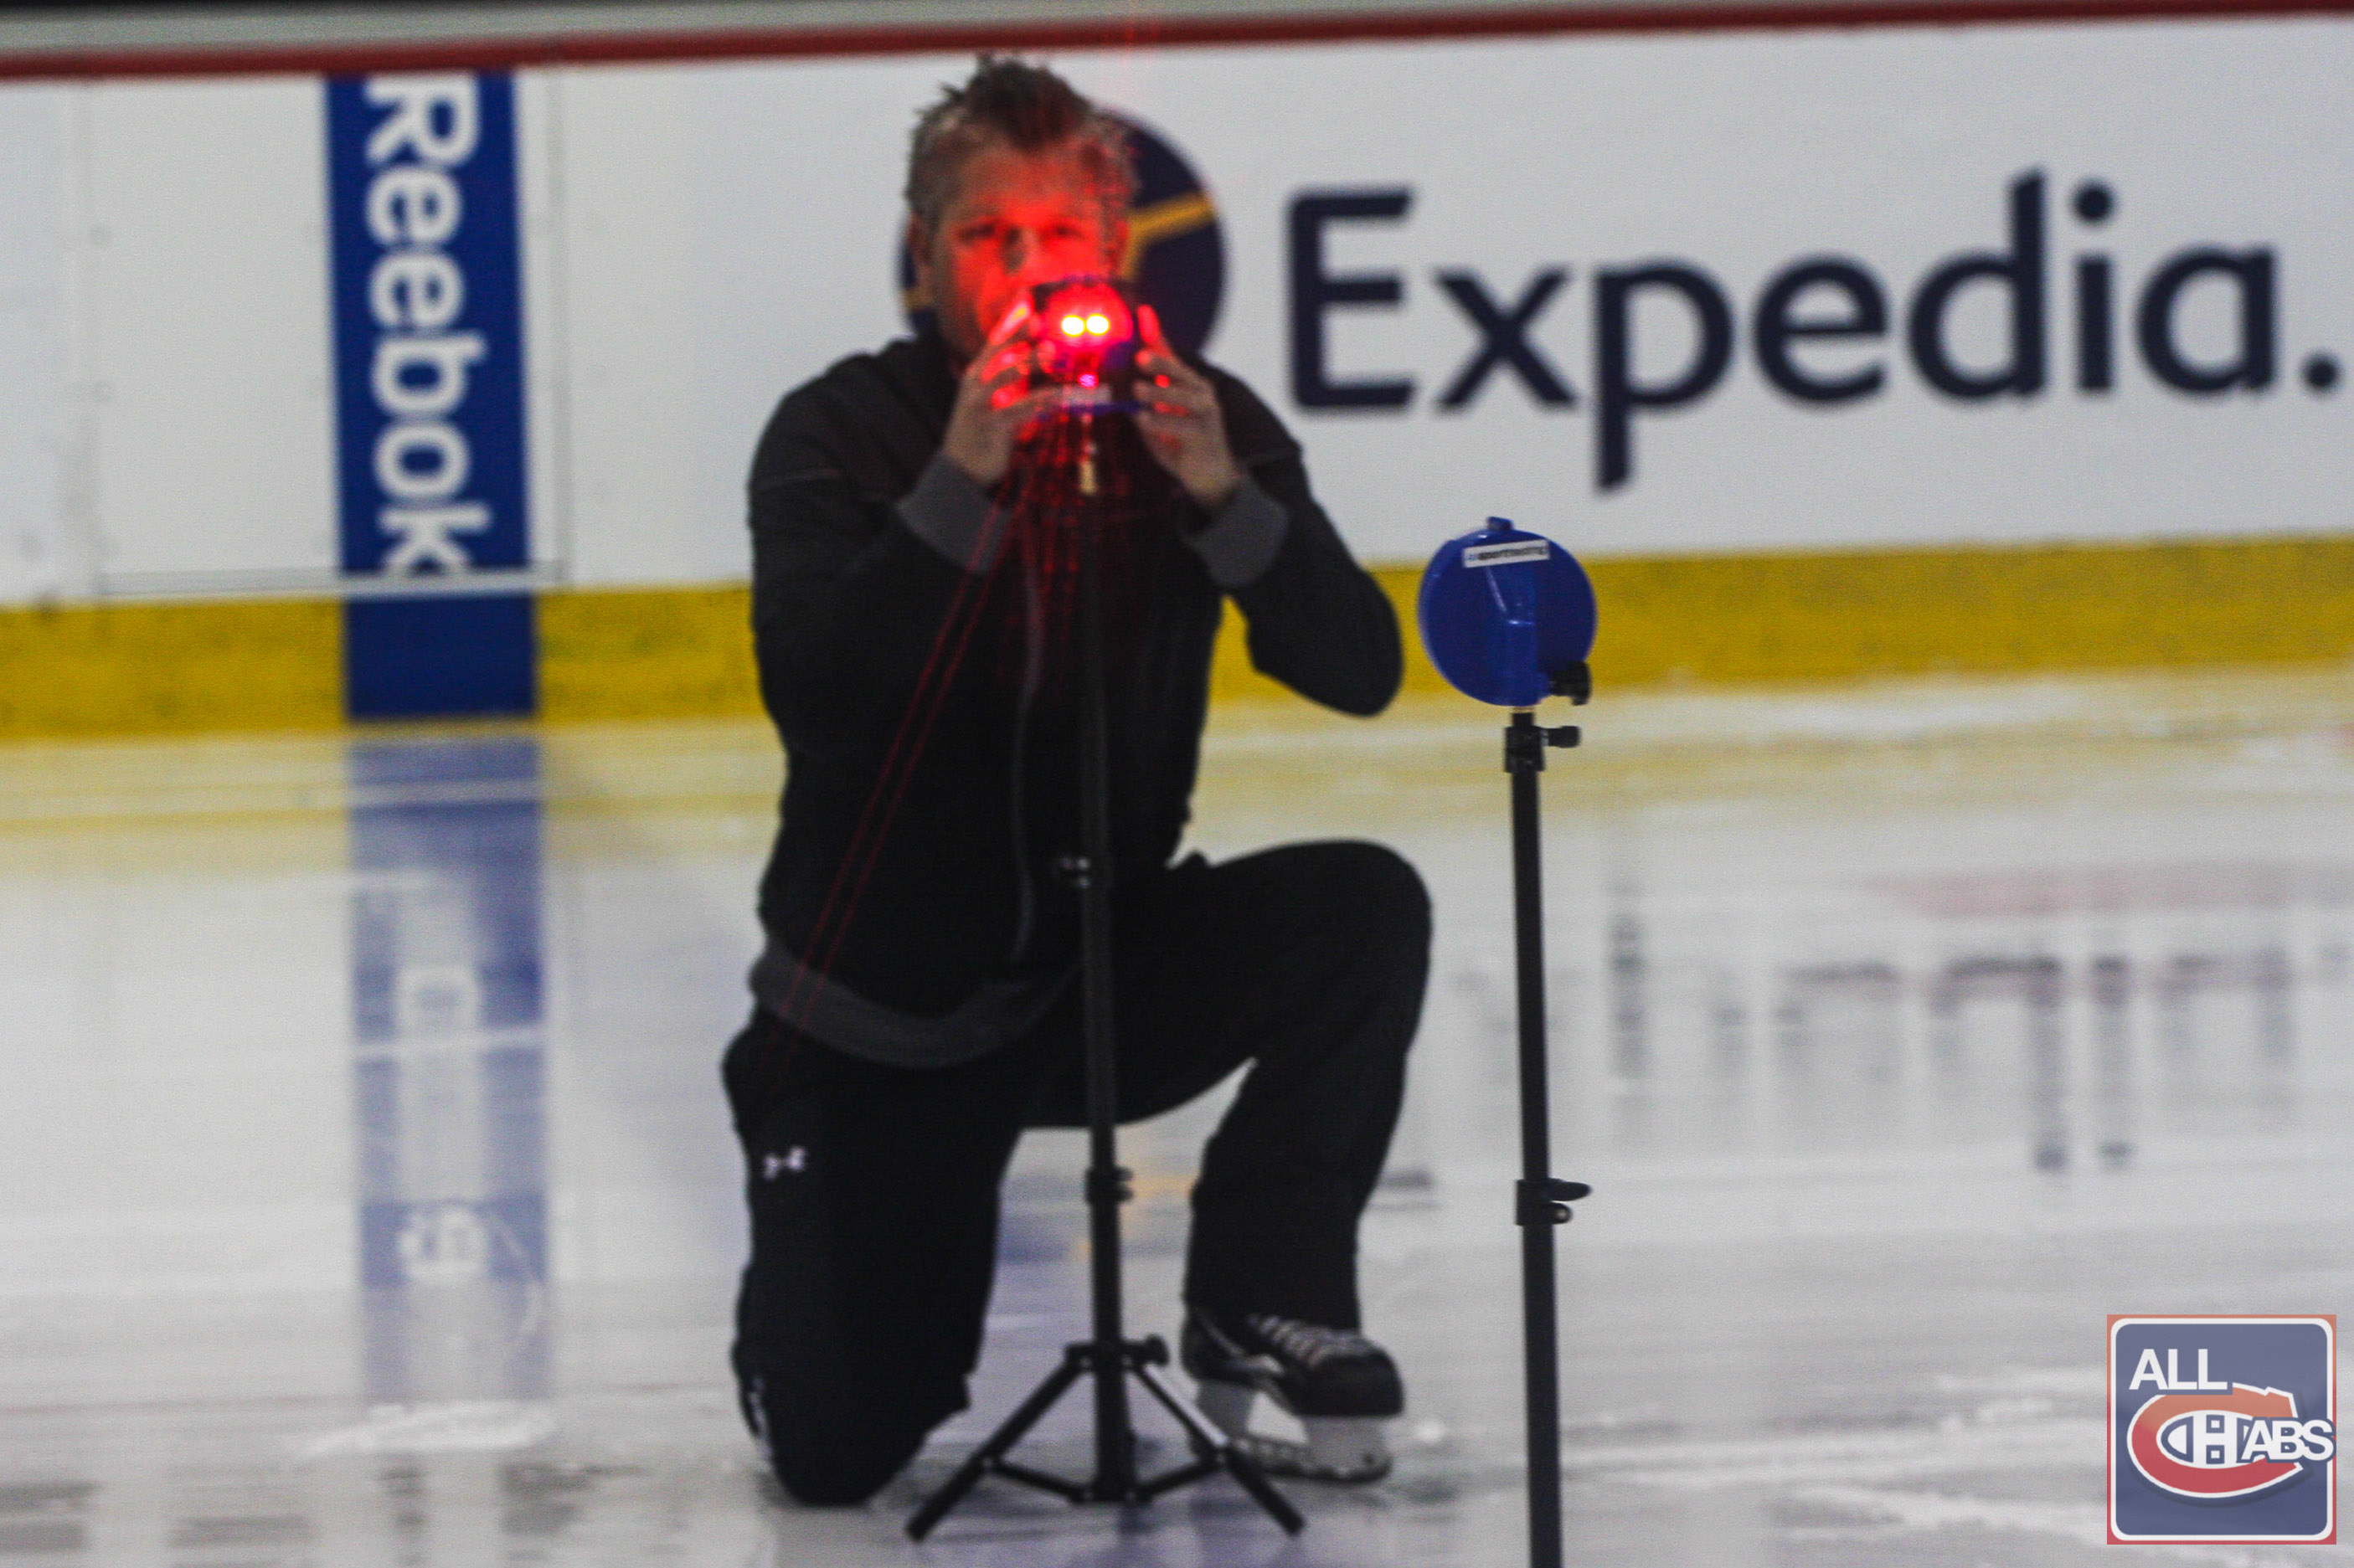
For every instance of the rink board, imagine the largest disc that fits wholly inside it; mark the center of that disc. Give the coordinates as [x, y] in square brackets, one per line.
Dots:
[2018, 350]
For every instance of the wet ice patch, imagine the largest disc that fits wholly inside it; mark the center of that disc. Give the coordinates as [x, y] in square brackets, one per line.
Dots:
[457, 1426]
[2019, 1444]
[2082, 1523]
[2089, 1378]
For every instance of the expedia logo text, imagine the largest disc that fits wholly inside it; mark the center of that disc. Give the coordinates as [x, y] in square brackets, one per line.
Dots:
[1820, 328]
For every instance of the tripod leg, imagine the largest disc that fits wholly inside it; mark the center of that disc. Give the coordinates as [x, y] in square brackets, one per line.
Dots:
[1208, 1441]
[1001, 1442]
[1206, 1436]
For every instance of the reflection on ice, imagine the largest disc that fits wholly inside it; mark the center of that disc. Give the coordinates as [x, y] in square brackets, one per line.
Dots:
[446, 1004]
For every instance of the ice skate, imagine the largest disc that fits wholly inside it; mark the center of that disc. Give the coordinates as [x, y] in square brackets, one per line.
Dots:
[1340, 1386]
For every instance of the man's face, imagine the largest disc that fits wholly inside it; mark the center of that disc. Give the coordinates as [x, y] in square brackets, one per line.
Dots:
[1017, 219]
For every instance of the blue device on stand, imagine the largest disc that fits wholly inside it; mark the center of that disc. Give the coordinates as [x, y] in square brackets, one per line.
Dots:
[1508, 618]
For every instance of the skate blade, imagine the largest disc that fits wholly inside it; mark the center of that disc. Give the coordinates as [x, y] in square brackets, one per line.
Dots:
[1349, 1450]
[1349, 1458]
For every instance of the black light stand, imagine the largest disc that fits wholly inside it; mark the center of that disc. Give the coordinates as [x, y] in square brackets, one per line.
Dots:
[1541, 1199]
[1107, 1356]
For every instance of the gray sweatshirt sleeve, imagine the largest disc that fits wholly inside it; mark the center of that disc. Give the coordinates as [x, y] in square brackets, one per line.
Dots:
[1240, 540]
[952, 514]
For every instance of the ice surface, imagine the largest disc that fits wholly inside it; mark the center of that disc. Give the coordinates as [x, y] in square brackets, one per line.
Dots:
[365, 1195]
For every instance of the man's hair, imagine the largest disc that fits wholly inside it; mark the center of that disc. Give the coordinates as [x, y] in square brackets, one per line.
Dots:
[1027, 108]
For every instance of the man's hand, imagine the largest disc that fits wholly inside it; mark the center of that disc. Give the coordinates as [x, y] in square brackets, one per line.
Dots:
[994, 400]
[1181, 421]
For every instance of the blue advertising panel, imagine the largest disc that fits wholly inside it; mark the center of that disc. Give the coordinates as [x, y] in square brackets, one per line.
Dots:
[430, 475]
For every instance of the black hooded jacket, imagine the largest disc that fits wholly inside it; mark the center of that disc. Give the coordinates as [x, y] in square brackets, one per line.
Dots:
[928, 710]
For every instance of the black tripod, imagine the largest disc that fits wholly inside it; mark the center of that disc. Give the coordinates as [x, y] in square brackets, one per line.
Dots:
[1542, 1200]
[1108, 1356]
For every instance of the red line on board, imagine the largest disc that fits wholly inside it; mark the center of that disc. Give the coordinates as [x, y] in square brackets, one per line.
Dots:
[1166, 32]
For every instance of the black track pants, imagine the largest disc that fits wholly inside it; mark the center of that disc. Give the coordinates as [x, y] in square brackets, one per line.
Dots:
[874, 1190]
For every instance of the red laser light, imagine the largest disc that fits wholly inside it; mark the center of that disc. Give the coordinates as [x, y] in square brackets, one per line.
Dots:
[1089, 343]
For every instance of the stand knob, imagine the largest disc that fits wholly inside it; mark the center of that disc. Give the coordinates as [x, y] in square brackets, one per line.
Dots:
[1546, 1202]
[1574, 681]
[1524, 745]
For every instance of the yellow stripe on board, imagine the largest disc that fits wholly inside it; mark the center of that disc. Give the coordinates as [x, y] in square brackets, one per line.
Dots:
[128, 669]
[630, 653]
[624, 653]
[2054, 607]
[1829, 615]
